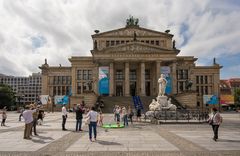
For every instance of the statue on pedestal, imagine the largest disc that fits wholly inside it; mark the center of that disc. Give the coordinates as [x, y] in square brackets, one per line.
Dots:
[162, 85]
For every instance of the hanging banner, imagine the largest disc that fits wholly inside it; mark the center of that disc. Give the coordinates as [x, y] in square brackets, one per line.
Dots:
[61, 100]
[210, 99]
[166, 71]
[43, 99]
[103, 83]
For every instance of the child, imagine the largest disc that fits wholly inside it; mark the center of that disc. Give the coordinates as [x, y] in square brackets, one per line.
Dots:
[4, 117]
[100, 119]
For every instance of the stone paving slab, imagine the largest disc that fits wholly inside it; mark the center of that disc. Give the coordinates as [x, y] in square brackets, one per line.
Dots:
[115, 140]
[227, 140]
[13, 141]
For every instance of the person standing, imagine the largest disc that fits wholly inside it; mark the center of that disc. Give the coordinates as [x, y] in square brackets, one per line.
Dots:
[64, 117]
[130, 114]
[21, 113]
[79, 116]
[28, 118]
[124, 115]
[93, 116]
[215, 120]
[34, 123]
[117, 112]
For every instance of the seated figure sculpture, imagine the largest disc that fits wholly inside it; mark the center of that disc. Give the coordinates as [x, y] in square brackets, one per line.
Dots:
[169, 106]
[154, 105]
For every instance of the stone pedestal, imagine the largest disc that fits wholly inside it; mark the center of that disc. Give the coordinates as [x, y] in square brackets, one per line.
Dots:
[162, 100]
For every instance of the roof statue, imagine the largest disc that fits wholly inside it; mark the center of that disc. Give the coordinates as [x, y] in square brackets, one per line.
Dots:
[132, 21]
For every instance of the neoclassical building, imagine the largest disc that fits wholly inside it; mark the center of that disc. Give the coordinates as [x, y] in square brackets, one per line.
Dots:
[128, 61]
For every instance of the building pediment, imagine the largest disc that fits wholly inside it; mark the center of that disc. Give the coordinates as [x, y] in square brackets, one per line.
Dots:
[137, 47]
[130, 30]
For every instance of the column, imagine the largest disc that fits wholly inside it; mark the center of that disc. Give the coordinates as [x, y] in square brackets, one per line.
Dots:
[95, 79]
[174, 78]
[158, 66]
[111, 85]
[127, 79]
[74, 83]
[142, 78]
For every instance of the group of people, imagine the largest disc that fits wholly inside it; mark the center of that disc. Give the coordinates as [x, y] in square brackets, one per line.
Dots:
[125, 114]
[92, 119]
[31, 115]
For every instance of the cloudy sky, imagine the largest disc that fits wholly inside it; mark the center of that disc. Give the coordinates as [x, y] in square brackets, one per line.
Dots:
[32, 30]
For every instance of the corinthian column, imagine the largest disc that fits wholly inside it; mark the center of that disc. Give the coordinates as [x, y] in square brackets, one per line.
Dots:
[111, 85]
[127, 79]
[143, 90]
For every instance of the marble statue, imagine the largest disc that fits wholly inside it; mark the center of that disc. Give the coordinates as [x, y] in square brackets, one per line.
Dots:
[162, 85]
[154, 105]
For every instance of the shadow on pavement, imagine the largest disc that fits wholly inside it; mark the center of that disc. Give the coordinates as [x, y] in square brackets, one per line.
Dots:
[107, 142]
[227, 140]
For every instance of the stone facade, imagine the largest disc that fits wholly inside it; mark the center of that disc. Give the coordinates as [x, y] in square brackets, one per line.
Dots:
[134, 56]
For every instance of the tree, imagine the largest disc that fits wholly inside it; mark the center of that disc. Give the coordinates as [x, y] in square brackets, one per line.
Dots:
[7, 96]
[237, 97]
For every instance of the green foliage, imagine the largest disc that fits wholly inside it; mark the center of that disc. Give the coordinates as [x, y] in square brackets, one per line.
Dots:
[7, 96]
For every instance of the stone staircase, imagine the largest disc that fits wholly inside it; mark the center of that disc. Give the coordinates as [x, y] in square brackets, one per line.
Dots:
[110, 102]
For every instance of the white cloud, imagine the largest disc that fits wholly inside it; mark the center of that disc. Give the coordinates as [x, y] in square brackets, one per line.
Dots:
[202, 29]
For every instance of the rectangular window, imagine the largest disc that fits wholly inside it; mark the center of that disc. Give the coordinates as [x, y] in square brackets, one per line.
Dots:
[206, 90]
[127, 41]
[64, 79]
[85, 74]
[122, 42]
[197, 79]
[87, 86]
[68, 80]
[206, 79]
[117, 42]
[147, 41]
[58, 90]
[79, 88]
[201, 79]
[79, 74]
[147, 74]
[64, 90]
[152, 42]
[133, 74]
[89, 74]
[202, 91]
[157, 43]
[107, 43]
[185, 74]
[119, 75]
[112, 43]
[181, 86]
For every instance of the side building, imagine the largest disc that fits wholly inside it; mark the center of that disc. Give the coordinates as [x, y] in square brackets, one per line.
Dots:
[127, 62]
[27, 89]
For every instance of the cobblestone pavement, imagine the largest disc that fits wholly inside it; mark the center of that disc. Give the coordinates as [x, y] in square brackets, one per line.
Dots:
[138, 139]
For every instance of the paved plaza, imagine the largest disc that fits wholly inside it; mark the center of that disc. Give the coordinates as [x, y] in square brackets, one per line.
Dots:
[141, 138]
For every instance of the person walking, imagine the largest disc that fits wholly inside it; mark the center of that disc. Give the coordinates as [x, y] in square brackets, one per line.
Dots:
[64, 117]
[215, 120]
[117, 112]
[28, 118]
[93, 117]
[4, 117]
[79, 115]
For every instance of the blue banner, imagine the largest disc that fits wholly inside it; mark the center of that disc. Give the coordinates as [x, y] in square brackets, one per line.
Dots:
[166, 71]
[103, 83]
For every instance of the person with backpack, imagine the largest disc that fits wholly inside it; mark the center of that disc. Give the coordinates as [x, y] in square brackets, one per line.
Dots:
[215, 120]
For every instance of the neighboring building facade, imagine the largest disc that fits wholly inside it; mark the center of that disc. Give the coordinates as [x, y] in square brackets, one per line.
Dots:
[227, 90]
[27, 89]
[132, 59]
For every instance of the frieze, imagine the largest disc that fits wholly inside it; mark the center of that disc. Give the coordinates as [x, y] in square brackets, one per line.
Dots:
[131, 31]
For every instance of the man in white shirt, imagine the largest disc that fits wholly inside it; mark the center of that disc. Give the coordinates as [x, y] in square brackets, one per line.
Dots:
[64, 117]
[93, 116]
[28, 118]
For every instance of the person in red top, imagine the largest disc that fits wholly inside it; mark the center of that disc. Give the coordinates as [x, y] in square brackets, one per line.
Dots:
[215, 120]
